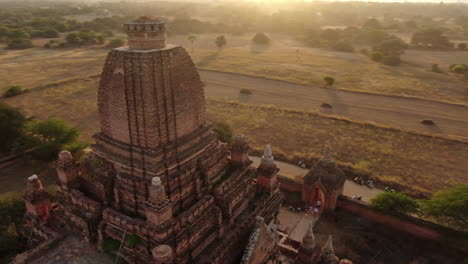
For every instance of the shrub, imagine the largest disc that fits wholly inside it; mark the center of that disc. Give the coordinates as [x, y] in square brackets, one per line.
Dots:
[376, 56]
[20, 43]
[344, 46]
[245, 91]
[220, 41]
[115, 43]
[51, 136]
[391, 60]
[462, 46]
[449, 206]
[261, 39]
[14, 90]
[132, 240]
[329, 80]
[436, 69]
[12, 123]
[394, 203]
[459, 68]
[110, 246]
[47, 46]
[224, 132]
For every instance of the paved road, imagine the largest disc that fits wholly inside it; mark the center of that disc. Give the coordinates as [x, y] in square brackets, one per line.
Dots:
[350, 188]
[405, 113]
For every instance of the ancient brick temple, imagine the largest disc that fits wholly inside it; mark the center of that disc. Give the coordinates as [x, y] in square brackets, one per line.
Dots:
[158, 181]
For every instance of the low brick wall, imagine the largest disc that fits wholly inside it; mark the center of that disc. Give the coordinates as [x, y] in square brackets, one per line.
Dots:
[411, 225]
[286, 184]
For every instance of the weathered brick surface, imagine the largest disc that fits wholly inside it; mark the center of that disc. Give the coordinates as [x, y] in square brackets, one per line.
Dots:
[152, 117]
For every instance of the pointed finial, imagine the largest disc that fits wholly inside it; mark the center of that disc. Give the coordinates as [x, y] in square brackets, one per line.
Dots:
[267, 157]
[327, 154]
[328, 248]
[308, 242]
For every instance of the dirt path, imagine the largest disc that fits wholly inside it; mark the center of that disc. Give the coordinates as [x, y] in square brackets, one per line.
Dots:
[405, 113]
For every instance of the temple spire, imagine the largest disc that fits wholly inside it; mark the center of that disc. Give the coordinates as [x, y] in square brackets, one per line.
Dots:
[328, 253]
[327, 154]
[308, 242]
[267, 157]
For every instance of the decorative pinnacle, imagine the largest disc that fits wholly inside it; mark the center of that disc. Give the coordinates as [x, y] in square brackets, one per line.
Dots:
[267, 157]
[308, 241]
[156, 181]
[329, 246]
[327, 154]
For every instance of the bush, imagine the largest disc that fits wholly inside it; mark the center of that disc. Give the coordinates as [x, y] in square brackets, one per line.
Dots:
[12, 123]
[459, 68]
[110, 246]
[329, 80]
[51, 136]
[261, 39]
[115, 43]
[224, 132]
[12, 209]
[391, 60]
[376, 56]
[394, 203]
[245, 91]
[14, 90]
[47, 46]
[449, 206]
[462, 46]
[132, 240]
[344, 46]
[436, 69]
[20, 43]
[220, 41]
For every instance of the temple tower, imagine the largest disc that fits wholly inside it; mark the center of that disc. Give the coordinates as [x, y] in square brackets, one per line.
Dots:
[240, 152]
[66, 167]
[328, 253]
[267, 172]
[150, 102]
[308, 254]
[324, 182]
[37, 201]
[158, 206]
[146, 33]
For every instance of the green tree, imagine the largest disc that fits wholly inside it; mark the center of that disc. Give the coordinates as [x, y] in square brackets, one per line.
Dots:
[12, 209]
[18, 33]
[431, 38]
[220, 41]
[261, 39]
[394, 203]
[12, 123]
[376, 56]
[51, 136]
[450, 206]
[391, 47]
[13, 91]
[372, 24]
[192, 39]
[20, 43]
[115, 43]
[329, 80]
[224, 132]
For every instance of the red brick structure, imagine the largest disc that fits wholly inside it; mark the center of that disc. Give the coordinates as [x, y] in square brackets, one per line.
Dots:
[37, 200]
[157, 173]
[323, 183]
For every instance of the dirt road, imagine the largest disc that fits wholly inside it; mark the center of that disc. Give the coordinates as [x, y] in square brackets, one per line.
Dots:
[406, 113]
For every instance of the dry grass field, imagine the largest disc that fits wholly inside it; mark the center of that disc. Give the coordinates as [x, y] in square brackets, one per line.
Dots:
[286, 59]
[421, 163]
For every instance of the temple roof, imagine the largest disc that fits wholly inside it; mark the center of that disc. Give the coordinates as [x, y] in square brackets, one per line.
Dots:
[327, 172]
